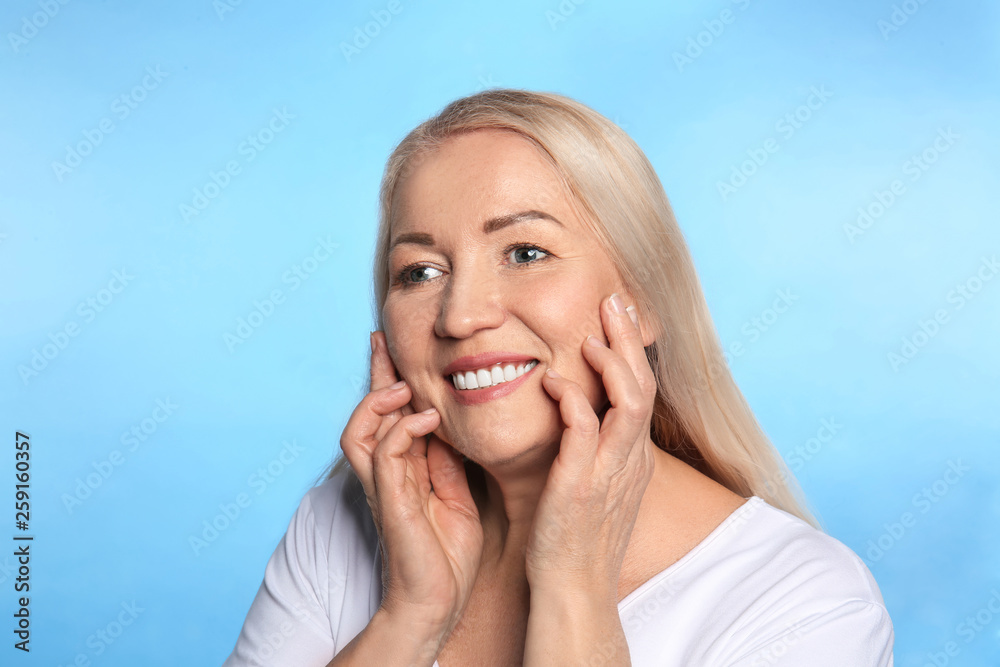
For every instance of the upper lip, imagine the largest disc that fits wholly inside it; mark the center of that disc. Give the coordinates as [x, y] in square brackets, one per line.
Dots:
[477, 361]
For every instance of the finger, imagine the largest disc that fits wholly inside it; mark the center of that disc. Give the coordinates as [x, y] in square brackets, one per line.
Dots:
[625, 338]
[630, 408]
[359, 437]
[448, 476]
[578, 447]
[383, 372]
[390, 468]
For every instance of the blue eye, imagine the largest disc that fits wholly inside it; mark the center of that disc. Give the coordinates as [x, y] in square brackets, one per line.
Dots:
[405, 276]
[531, 252]
[521, 254]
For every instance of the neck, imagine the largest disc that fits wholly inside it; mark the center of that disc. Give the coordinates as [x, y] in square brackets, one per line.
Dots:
[507, 495]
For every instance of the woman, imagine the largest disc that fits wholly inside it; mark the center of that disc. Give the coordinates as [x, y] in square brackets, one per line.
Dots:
[558, 466]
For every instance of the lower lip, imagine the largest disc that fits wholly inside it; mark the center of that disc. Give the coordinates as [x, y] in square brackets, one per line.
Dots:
[476, 396]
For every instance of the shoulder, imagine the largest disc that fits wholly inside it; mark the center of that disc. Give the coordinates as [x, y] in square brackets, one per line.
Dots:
[800, 587]
[336, 547]
[796, 555]
[331, 528]
[320, 585]
[334, 524]
[763, 583]
[338, 506]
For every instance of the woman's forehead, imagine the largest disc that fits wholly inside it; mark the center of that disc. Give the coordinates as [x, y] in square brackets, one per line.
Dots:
[479, 175]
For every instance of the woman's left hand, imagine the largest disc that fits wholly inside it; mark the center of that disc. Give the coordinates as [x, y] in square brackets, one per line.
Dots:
[590, 502]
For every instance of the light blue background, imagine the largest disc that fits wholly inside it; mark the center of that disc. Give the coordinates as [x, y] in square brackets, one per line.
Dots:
[300, 374]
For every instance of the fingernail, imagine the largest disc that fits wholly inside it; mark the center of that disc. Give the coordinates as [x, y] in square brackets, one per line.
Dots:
[551, 372]
[428, 411]
[631, 313]
[371, 340]
[398, 385]
[595, 341]
[616, 304]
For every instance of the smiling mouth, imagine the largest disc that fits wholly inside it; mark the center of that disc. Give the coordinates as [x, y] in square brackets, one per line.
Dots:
[490, 376]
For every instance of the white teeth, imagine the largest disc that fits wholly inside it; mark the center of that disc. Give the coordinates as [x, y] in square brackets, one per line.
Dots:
[470, 381]
[488, 377]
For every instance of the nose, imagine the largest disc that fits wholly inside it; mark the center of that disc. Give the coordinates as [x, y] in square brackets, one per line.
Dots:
[471, 301]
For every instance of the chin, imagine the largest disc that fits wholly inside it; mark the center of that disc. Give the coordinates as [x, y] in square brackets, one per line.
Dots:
[506, 444]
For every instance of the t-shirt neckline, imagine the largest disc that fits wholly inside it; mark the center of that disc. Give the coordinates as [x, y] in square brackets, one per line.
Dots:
[683, 561]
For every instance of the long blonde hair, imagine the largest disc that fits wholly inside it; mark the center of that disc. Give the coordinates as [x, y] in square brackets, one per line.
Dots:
[699, 414]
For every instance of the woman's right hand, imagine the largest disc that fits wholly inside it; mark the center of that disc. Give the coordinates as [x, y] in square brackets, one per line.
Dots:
[427, 520]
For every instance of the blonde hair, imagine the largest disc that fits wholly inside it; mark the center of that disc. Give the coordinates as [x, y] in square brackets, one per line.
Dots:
[699, 415]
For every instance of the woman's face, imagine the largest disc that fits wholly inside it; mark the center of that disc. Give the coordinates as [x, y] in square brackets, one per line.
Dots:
[531, 289]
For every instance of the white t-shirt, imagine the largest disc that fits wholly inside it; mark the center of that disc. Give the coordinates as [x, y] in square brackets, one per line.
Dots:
[763, 589]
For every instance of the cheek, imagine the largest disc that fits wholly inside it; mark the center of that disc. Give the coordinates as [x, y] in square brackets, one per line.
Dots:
[570, 309]
[565, 318]
[399, 325]
[408, 326]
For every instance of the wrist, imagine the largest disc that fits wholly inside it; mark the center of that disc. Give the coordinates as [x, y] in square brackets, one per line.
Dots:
[593, 592]
[569, 627]
[571, 603]
[410, 638]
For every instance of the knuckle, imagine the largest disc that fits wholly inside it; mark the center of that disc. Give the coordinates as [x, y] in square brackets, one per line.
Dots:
[647, 382]
[634, 410]
[412, 423]
[588, 424]
[351, 447]
[381, 456]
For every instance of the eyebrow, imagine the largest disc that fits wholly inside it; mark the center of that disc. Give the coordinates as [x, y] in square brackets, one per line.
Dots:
[490, 226]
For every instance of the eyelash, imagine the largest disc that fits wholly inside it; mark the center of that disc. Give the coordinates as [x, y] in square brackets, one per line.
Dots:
[401, 277]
